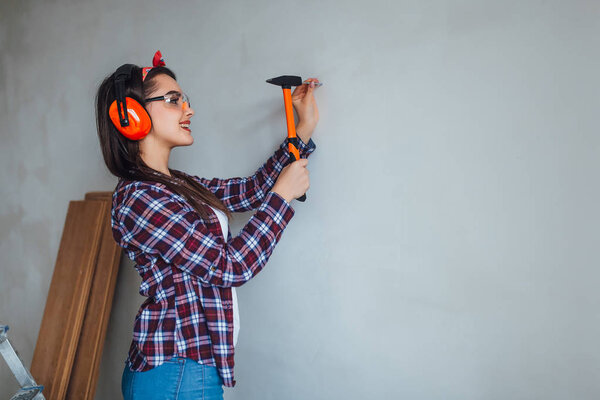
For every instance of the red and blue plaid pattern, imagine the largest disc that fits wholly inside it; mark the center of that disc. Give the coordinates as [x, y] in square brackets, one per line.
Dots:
[188, 268]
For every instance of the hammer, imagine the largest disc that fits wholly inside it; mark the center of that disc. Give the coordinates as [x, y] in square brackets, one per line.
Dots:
[286, 82]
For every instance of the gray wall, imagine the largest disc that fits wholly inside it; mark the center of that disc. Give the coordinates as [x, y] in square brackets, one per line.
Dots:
[448, 247]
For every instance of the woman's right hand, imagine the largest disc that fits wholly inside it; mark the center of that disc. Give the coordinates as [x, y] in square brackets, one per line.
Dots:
[293, 181]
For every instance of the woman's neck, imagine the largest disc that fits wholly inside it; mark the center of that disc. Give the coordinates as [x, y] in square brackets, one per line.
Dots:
[155, 156]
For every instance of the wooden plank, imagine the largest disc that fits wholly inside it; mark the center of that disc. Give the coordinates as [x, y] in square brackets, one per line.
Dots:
[84, 375]
[99, 196]
[67, 297]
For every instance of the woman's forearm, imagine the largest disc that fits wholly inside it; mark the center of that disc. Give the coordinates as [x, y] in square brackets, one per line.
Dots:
[304, 132]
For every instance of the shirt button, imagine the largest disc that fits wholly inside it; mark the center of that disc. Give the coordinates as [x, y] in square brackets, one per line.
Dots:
[213, 268]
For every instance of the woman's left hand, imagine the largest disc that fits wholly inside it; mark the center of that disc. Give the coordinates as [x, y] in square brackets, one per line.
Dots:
[306, 107]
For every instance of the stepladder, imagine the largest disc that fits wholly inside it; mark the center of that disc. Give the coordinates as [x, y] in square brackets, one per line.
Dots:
[29, 390]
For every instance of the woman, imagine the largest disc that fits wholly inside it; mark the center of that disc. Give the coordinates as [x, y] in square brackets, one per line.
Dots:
[175, 227]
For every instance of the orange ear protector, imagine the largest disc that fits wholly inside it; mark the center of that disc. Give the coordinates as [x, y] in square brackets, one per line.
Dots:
[129, 116]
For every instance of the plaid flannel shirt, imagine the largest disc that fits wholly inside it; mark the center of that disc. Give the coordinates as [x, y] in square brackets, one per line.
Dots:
[188, 268]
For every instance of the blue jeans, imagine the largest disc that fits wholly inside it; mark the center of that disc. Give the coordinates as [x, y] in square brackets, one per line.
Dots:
[177, 379]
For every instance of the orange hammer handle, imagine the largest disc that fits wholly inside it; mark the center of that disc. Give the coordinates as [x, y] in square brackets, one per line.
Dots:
[291, 128]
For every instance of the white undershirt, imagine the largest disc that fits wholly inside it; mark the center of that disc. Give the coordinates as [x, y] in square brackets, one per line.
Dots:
[236, 314]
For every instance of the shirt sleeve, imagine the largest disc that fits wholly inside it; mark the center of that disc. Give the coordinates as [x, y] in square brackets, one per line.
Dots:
[162, 225]
[245, 194]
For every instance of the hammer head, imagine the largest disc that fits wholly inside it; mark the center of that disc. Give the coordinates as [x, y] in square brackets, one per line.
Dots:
[286, 81]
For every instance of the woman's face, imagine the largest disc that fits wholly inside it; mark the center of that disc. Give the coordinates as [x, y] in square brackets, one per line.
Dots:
[168, 118]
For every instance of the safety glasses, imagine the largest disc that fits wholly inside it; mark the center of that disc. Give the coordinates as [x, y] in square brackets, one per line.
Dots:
[173, 98]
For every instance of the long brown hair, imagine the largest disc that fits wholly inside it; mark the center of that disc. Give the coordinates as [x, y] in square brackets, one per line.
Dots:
[122, 155]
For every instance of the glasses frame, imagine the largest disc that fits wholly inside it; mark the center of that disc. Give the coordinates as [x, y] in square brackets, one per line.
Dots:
[168, 100]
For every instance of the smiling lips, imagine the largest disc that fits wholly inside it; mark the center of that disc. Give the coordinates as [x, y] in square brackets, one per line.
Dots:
[185, 125]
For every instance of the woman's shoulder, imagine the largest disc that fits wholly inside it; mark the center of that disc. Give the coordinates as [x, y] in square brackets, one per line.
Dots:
[126, 187]
[127, 191]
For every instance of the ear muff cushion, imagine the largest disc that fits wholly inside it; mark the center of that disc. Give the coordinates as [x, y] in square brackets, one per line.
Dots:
[139, 120]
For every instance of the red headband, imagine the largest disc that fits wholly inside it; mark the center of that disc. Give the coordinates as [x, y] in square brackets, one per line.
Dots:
[157, 61]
